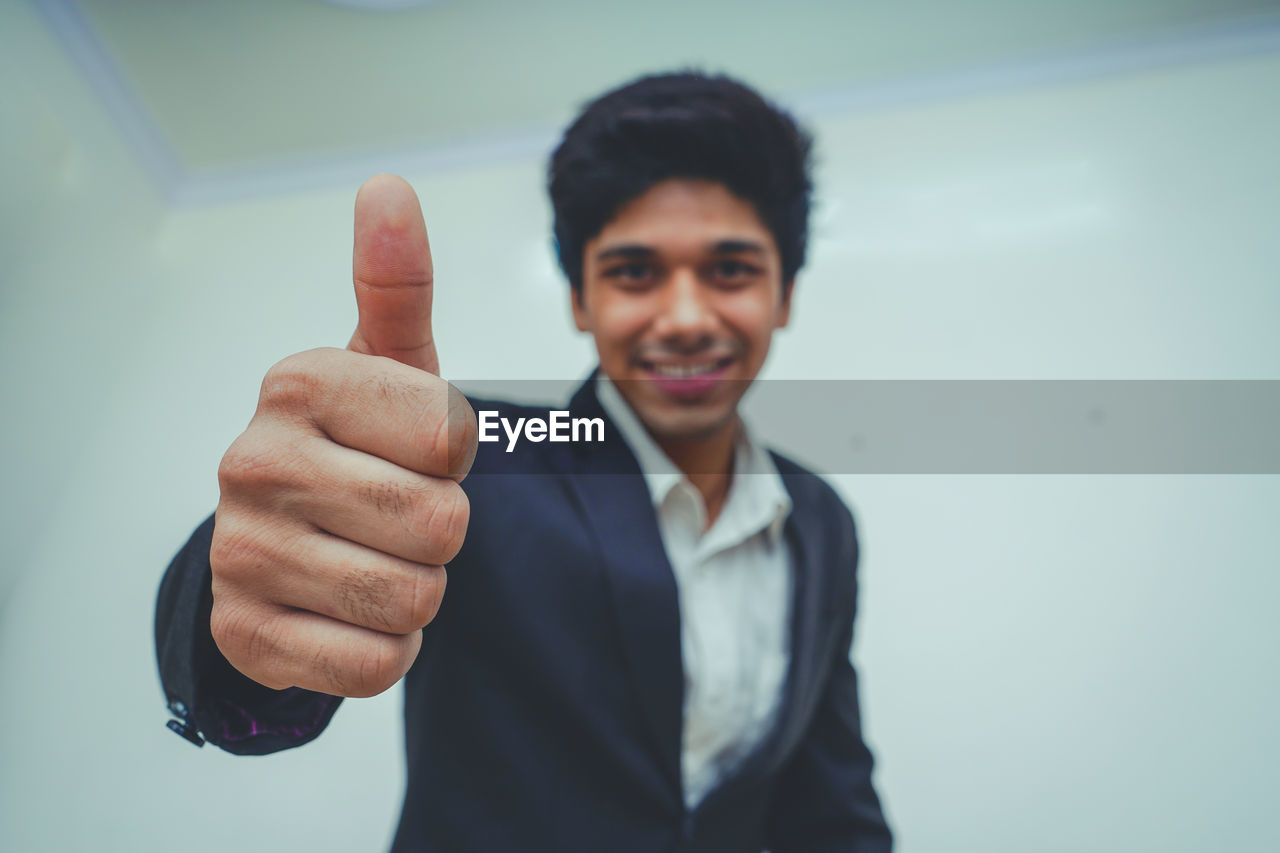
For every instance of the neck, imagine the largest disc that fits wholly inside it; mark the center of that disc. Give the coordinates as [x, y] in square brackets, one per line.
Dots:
[707, 462]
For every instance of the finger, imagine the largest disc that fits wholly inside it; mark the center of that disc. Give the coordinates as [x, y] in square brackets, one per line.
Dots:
[391, 268]
[344, 492]
[280, 647]
[343, 580]
[387, 508]
[405, 416]
[300, 566]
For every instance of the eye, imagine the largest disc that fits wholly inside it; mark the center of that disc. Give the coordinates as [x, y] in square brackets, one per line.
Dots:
[633, 274]
[732, 272]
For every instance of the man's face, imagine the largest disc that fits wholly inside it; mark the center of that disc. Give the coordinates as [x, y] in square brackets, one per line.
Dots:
[682, 291]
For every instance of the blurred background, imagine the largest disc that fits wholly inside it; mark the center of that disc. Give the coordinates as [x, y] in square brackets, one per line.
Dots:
[1007, 189]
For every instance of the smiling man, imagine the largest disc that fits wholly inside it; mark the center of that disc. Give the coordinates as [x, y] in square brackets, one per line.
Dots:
[645, 642]
[682, 291]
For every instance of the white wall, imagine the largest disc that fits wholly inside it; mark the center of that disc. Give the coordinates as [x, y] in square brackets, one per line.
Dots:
[1049, 663]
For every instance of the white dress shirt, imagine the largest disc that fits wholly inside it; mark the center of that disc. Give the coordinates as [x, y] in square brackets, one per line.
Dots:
[734, 583]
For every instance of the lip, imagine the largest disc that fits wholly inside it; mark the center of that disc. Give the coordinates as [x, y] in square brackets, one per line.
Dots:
[691, 386]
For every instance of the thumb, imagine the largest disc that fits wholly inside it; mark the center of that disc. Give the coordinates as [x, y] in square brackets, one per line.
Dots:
[391, 267]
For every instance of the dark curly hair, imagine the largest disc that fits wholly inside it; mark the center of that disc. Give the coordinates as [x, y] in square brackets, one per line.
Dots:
[680, 125]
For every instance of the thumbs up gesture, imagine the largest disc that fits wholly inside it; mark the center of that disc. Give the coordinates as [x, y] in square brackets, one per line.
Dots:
[340, 502]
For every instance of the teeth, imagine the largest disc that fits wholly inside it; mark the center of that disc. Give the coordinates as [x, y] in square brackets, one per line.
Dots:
[684, 371]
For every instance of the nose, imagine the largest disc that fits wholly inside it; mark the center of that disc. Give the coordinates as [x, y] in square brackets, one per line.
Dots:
[687, 315]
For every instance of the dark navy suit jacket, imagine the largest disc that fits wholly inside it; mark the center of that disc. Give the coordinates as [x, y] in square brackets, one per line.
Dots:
[544, 712]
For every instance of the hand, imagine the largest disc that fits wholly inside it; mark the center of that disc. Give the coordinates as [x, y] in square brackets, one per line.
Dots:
[340, 502]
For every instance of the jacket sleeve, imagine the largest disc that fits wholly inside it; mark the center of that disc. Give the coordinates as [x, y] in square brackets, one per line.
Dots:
[825, 799]
[211, 698]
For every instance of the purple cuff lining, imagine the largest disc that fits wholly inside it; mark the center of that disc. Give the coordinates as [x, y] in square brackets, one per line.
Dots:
[236, 724]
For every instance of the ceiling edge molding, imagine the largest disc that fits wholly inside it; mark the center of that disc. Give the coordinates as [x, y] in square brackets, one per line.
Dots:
[1234, 39]
[141, 133]
[181, 186]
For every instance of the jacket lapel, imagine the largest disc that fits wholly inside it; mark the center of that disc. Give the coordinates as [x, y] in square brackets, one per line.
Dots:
[618, 508]
[803, 535]
[617, 505]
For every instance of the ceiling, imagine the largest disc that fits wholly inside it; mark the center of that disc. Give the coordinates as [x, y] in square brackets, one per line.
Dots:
[221, 99]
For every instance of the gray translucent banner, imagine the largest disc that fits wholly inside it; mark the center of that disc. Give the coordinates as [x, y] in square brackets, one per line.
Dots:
[996, 427]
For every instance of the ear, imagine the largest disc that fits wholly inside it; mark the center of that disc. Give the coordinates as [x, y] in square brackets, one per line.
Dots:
[784, 310]
[580, 317]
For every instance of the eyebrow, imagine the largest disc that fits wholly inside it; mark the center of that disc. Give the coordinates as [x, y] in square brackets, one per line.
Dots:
[629, 252]
[635, 251]
[736, 247]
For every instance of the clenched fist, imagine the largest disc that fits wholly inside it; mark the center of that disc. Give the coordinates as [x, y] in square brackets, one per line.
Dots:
[340, 503]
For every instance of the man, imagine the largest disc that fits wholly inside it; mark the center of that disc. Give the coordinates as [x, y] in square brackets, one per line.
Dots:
[645, 640]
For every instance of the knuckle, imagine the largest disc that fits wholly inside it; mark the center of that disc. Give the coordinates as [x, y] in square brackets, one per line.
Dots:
[462, 434]
[239, 465]
[266, 469]
[236, 549]
[432, 431]
[262, 640]
[224, 625]
[247, 550]
[239, 631]
[426, 595]
[380, 665]
[433, 425]
[335, 677]
[228, 548]
[291, 383]
[251, 465]
[459, 518]
[443, 523]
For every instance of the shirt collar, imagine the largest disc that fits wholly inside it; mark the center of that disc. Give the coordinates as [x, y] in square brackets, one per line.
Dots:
[757, 498]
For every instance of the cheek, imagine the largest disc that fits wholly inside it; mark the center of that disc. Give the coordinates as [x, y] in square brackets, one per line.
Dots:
[619, 322]
[754, 318]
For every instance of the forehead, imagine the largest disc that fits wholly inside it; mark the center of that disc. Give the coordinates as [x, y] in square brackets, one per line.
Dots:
[683, 214]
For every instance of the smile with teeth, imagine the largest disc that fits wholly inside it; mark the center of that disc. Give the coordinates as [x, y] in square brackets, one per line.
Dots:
[686, 371]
